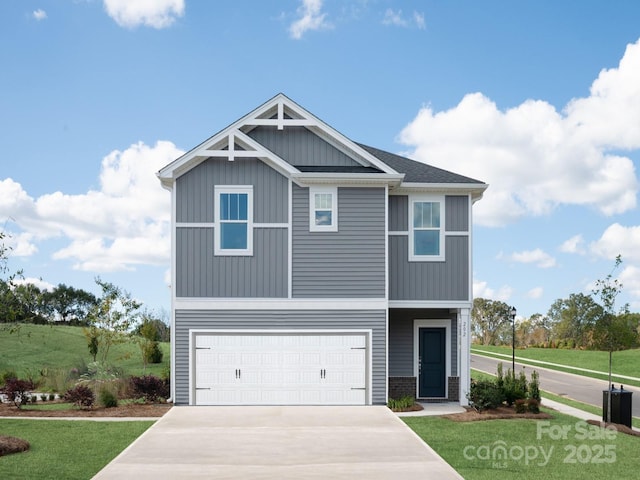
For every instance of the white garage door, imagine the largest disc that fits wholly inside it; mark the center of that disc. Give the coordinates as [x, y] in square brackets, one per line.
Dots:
[280, 369]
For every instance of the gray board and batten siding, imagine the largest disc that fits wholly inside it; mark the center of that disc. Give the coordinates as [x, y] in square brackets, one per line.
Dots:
[349, 263]
[437, 281]
[301, 148]
[401, 339]
[284, 320]
[201, 274]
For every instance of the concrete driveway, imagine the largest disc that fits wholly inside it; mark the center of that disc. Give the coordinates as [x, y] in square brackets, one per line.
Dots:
[366, 443]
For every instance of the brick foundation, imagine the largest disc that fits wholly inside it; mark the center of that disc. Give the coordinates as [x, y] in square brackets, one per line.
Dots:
[401, 387]
[454, 389]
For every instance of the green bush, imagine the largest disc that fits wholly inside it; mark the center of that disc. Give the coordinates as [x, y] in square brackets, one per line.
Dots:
[534, 386]
[514, 388]
[152, 353]
[485, 395]
[44, 397]
[108, 399]
[402, 403]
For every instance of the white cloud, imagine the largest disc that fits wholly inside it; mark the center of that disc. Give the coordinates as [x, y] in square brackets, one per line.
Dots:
[394, 18]
[39, 14]
[535, 157]
[574, 244]
[151, 13]
[535, 293]
[538, 257]
[482, 290]
[418, 17]
[38, 282]
[310, 18]
[630, 279]
[398, 19]
[123, 224]
[618, 240]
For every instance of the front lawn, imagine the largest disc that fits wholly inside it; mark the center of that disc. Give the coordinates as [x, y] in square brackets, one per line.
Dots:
[562, 448]
[69, 449]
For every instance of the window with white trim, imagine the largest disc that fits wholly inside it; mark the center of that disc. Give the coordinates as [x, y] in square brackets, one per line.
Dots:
[233, 220]
[323, 209]
[426, 228]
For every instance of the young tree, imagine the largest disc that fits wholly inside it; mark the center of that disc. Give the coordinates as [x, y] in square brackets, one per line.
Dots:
[113, 317]
[612, 332]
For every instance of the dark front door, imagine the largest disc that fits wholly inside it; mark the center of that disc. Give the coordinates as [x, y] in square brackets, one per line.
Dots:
[432, 362]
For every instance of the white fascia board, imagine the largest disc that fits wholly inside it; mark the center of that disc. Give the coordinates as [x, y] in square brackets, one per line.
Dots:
[455, 304]
[305, 179]
[476, 190]
[200, 303]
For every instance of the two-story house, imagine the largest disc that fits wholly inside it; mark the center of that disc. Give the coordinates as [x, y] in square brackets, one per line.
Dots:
[310, 269]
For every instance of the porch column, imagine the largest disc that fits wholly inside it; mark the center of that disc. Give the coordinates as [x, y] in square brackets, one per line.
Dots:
[464, 331]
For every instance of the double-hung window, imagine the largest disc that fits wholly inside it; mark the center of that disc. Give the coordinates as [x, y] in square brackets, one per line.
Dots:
[426, 233]
[323, 209]
[234, 220]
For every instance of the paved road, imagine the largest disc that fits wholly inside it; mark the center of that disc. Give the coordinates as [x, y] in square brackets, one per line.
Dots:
[576, 387]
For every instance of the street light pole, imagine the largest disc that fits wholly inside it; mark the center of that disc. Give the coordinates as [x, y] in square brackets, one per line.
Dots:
[513, 340]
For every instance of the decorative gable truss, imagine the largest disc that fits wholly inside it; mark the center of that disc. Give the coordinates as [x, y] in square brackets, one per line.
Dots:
[234, 143]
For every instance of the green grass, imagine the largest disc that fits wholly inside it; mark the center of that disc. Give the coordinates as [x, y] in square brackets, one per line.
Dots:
[46, 406]
[626, 362]
[463, 445]
[66, 449]
[37, 347]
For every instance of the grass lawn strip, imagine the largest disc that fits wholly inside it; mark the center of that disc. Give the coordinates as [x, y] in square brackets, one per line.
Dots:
[561, 448]
[66, 449]
[626, 363]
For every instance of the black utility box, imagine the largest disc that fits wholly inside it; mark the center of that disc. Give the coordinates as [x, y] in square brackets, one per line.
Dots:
[620, 405]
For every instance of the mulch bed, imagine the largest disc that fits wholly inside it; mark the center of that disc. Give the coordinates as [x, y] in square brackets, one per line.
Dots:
[500, 413]
[617, 426]
[10, 445]
[129, 410]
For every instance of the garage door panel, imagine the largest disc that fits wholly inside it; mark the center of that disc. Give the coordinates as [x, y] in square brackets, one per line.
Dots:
[289, 369]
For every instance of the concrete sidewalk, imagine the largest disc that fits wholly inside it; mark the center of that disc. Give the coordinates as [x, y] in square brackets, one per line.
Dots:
[279, 443]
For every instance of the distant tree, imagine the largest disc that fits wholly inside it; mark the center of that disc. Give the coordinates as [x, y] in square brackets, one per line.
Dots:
[573, 318]
[612, 331]
[113, 317]
[71, 305]
[491, 321]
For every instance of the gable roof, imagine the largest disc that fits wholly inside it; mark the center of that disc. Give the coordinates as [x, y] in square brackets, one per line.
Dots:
[370, 165]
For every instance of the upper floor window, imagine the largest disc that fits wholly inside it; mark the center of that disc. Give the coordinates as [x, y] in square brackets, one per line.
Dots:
[234, 220]
[323, 209]
[426, 228]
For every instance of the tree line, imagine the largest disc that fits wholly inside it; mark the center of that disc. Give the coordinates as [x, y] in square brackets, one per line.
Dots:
[578, 321]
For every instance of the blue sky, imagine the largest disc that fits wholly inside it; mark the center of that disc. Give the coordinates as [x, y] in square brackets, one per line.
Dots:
[540, 99]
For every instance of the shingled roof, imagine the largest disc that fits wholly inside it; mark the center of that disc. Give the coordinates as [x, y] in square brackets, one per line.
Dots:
[417, 172]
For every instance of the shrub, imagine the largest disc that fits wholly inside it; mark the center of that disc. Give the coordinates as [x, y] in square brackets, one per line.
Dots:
[402, 403]
[52, 397]
[17, 391]
[108, 399]
[150, 387]
[81, 396]
[485, 395]
[533, 405]
[152, 353]
[514, 388]
[534, 386]
[44, 397]
[521, 405]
